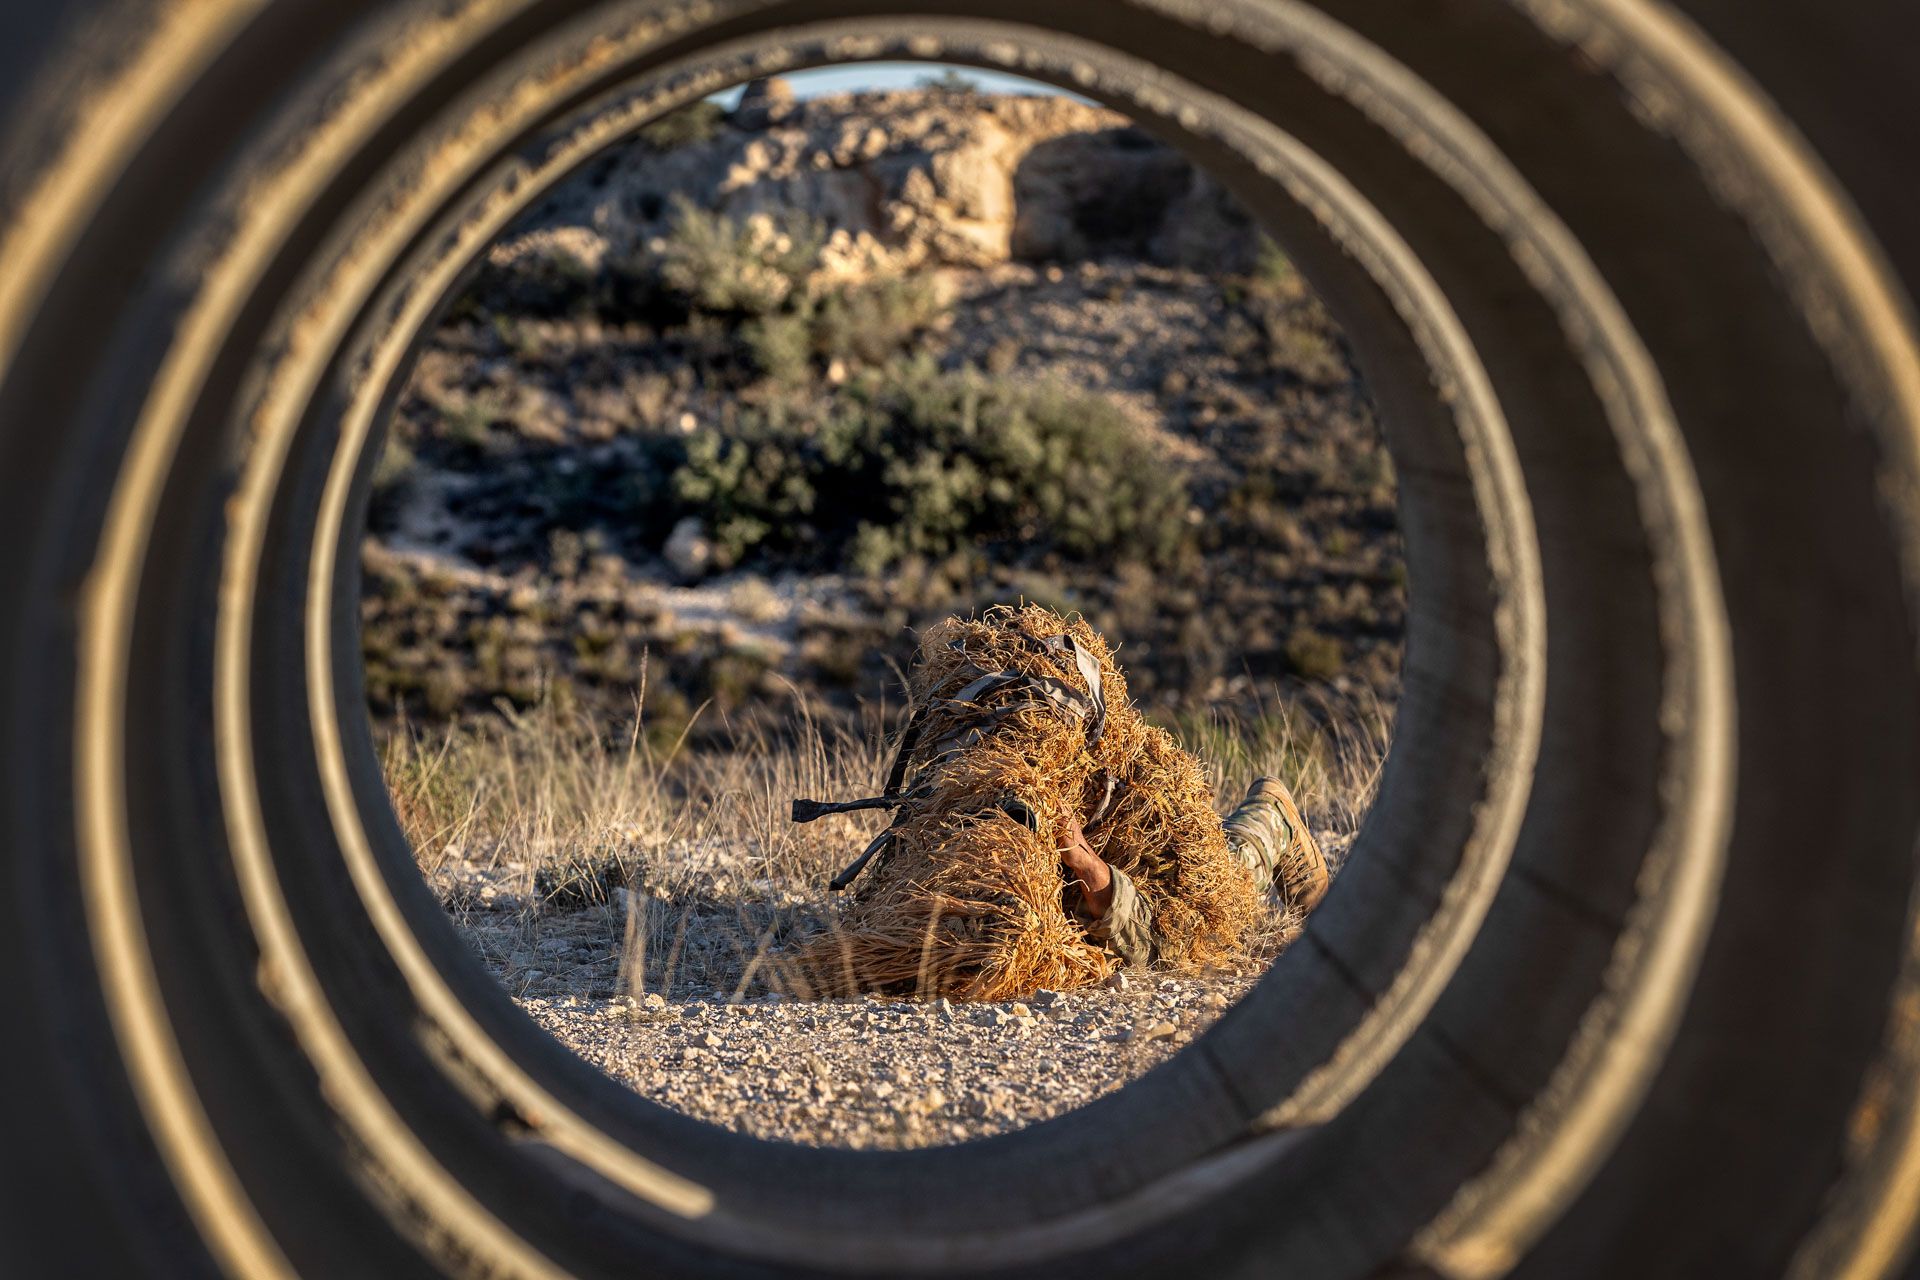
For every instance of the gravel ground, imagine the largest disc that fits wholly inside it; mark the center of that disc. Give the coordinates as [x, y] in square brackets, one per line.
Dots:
[873, 1072]
[887, 1073]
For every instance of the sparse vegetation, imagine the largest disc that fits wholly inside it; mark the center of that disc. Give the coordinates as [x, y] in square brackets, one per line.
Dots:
[915, 443]
[1314, 655]
[913, 461]
[749, 268]
[695, 123]
[765, 272]
[873, 322]
[672, 490]
[537, 818]
[951, 82]
[1272, 268]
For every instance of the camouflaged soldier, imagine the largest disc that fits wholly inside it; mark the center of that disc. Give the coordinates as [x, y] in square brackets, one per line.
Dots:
[1266, 832]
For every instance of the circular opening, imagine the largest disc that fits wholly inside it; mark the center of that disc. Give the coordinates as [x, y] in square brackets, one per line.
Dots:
[684, 476]
[1440, 1079]
[1304, 1041]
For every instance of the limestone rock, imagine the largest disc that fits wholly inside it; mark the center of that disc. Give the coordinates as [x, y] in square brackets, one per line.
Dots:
[764, 102]
[688, 551]
[908, 179]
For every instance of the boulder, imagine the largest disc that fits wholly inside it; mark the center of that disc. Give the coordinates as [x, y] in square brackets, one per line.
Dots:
[763, 103]
[689, 552]
[917, 178]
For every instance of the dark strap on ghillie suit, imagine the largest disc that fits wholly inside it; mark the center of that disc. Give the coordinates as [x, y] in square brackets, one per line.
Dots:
[960, 721]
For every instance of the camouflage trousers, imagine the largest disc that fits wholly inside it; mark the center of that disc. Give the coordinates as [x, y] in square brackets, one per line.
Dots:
[1266, 833]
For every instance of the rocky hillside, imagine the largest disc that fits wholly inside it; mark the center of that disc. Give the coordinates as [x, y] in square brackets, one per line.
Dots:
[905, 181]
[743, 403]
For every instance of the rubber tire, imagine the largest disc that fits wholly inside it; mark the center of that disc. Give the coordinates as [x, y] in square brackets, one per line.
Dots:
[1655, 779]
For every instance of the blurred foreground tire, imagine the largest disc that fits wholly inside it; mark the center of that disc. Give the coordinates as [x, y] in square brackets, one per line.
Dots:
[1624, 976]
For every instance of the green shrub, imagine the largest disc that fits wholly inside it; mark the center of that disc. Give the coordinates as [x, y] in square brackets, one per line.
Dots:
[874, 322]
[950, 81]
[691, 125]
[1314, 655]
[731, 678]
[1309, 356]
[1272, 268]
[745, 485]
[469, 420]
[910, 460]
[749, 268]
[392, 477]
[781, 347]
[545, 281]
[757, 278]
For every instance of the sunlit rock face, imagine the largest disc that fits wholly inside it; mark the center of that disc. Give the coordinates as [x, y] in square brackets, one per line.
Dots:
[911, 179]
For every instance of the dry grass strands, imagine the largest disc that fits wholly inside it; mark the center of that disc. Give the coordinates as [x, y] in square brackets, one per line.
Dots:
[1021, 723]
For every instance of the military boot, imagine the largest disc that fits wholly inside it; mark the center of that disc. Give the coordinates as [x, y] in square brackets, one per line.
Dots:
[1269, 835]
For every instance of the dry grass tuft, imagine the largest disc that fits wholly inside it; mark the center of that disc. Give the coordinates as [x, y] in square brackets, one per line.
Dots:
[682, 864]
[679, 872]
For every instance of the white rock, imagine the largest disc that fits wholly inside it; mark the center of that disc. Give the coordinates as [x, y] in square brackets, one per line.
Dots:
[688, 550]
[911, 179]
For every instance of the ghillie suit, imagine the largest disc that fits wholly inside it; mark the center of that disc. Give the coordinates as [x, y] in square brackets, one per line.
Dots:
[1021, 718]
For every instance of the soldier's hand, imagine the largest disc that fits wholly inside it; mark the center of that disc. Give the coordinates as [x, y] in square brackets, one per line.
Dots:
[1086, 869]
